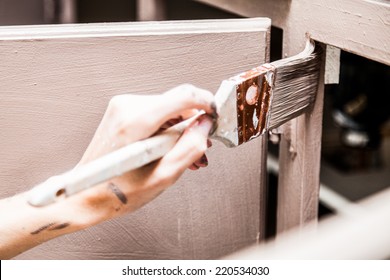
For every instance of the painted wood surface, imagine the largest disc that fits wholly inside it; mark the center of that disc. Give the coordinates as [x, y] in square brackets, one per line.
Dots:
[55, 85]
[22, 12]
[361, 236]
[358, 26]
[16, 12]
[68, 11]
[151, 10]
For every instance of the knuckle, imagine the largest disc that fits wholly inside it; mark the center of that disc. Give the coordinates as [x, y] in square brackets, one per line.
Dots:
[182, 89]
[115, 102]
[115, 107]
[186, 87]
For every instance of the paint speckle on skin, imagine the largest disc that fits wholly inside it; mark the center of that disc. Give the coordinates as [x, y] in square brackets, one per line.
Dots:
[117, 191]
[58, 227]
[42, 228]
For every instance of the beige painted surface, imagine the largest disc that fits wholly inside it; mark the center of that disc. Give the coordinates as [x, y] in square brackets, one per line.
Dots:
[151, 10]
[358, 26]
[362, 236]
[21, 12]
[332, 65]
[55, 85]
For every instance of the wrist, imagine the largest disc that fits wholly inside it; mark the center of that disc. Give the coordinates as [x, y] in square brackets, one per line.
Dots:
[25, 226]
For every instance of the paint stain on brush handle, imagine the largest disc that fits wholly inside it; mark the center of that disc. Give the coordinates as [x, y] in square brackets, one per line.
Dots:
[254, 92]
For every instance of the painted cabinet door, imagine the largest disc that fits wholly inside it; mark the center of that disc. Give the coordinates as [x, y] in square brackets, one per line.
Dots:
[55, 83]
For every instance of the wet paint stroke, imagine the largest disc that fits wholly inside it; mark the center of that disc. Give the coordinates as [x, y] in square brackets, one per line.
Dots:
[117, 191]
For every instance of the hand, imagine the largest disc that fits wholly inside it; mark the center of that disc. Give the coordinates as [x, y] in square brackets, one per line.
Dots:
[130, 118]
[203, 161]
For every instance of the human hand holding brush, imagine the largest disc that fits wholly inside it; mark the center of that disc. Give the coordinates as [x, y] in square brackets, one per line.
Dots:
[128, 118]
[132, 118]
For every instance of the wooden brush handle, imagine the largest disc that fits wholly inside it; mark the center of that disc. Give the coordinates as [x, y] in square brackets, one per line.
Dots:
[111, 165]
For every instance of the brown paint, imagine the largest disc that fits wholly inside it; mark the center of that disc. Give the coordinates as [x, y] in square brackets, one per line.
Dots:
[118, 193]
[60, 226]
[42, 228]
[50, 227]
[255, 78]
[101, 200]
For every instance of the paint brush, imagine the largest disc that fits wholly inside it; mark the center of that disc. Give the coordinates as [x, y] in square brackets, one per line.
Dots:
[248, 104]
[265, 97]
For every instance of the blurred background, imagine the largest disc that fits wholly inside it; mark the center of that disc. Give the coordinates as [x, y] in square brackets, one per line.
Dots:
[356, 129]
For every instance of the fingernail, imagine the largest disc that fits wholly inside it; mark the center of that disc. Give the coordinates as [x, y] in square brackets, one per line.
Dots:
[194, 167]
[205, 124]
[204, 161]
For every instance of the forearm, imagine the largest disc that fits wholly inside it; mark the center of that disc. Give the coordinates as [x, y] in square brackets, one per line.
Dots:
[23, 226]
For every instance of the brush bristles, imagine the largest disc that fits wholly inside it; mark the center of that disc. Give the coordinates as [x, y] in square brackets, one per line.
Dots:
[296, 84]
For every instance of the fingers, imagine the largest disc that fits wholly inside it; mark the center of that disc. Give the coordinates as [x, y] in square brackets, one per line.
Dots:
[203, 161]
[190, 147]
[140, 116]
[184, 99]
[181, 102]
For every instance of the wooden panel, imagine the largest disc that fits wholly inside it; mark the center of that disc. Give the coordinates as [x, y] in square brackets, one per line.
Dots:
[55, 85]
[21, 12]
[151, 10]
[362, 236]
[358, 26]
[68, 11]
[299, 158]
